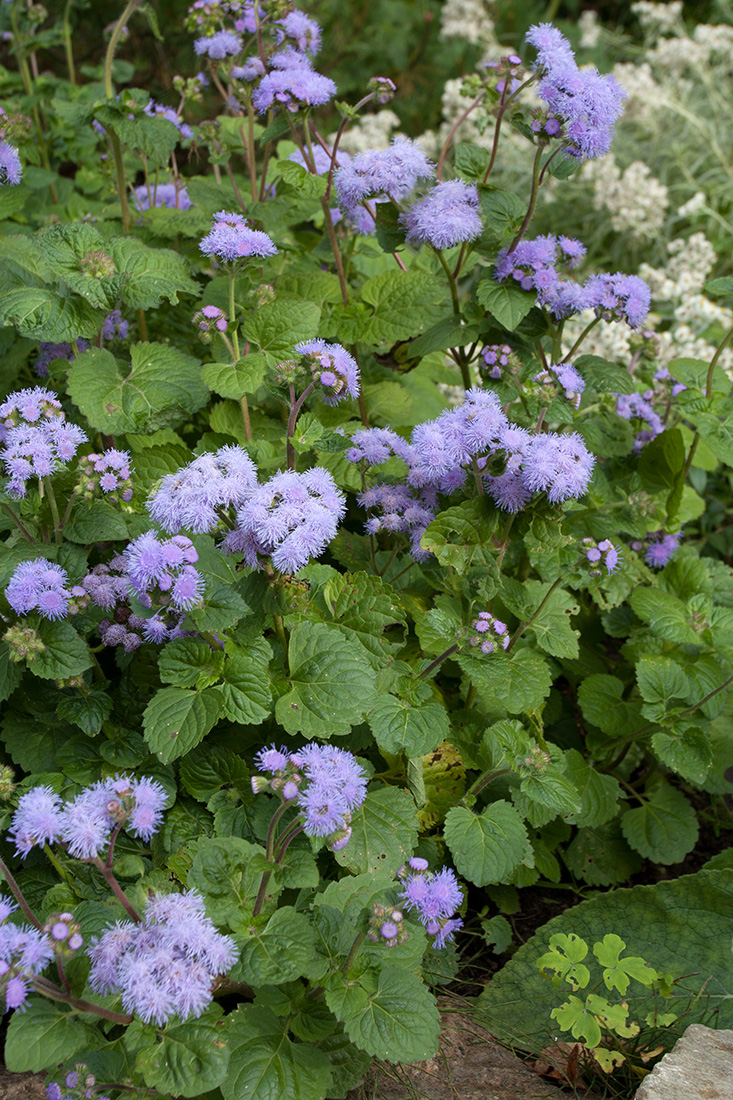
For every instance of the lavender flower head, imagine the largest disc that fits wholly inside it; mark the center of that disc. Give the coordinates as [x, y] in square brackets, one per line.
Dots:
[400, 509]
[660, 548]
[434, 896]
[494, 357]
[448, 215]
[290, 519]
[40, 586]
[390, 173]
[231, 239]
[165, 966]
[571, 381]
[292, 84]
[619, 297]
[37, 820]
[163, 194]
[114, 327]
[11, 170]
[636, 406]
[534, 263]
[218, 46]
[301, 29]
[602, 553]
[195, 496]
[333, 368]
[38, 441]
[489, 633]
[110, 472]
[24, 952]
[164, 568]
[47, 352]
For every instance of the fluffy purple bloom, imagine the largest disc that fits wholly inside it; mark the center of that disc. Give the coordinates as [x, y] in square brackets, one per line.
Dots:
[448, 215]
[195, 495]
[434, 896]
[400, 509]
[533, 265]
[636, 406]
[24, 952]
[38, 441]
[508, 491]
[218, 46]
[290, 519]
[333, 367]
[165, 966]
[48, 352]
[619, 297]
[110, 471]
[553, 48]
[304, 31]
[660, 549]
[391, 173]
[490, 633]
[87, 821]
[231, 239]
[39, 585]
[569, 378]
[604, 553]
[167, 566]
[559, 465]
[11, 170]
[335, 787]
[37, 820]
[290, 88]
[164, 194]
[114, 327]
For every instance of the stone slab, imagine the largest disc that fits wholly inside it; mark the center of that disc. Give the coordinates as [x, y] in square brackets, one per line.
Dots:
[699, 1067]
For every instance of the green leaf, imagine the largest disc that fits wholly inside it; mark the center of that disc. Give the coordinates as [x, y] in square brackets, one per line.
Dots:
[685, 750]
[246, 688]
[461, 536]
[303, 182]
[470, 161]
[660, 679]
[565, 958]
[221, 608]
[719, 287]
[486, 847]
[190, 662]
[97, 522]
[664, 828]
[44, 1035]
[575, 1017]
[151, 274]
[176, 719]
[390, 231]
[189, 1059]
[227, 871]
[279, 951]
[675, 925]
[398, 726]
[208, 768]
[551, 625]
[87, 711]
[65, 655]
[617, 972]
[352, 894]
[10, 673]
[502, 211]
[599, 794]
[403, 304]
[278, 326]
[600, 855]
[516, 682]
[694, 374]
[44, 314]
[506, 302]
[362, 606]
[601, 702]
[265, 1064]
[717, 434]
[661, 466]
[383, 832]
[394, 1018]
[69, 250]
[451, 332]
[162, 387]
[234, 380]
[330, 683]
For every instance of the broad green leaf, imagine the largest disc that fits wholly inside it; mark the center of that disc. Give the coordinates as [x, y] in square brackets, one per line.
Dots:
[600, 856]
[398, 726]
[664, 828]
[403, 305]
[278, 326]
[176, 719]
[330, 683]
[383, 832]
[10, 673]
[87, 711]
[451, 332]
[148, 275]
[719, 287]
[227, 871]
[44, 1035]
[190, 662]
[675, 925]
[551, 623]
[486, 847]
[507, 303]
[265, 1064]
[234, 380]
[502, 210]
[694, 373]
[394, 1017]
[601, 702]
[599, 794]
[617, 972]
[162, 387]
[302, 181]
[718, 434]
[277, 952]
[208, 768]
[470, 161]
[516, 682]
[222, 607]
[65, 655]
[97, 522]
[352, 894]
[41, 313]
[461, 536]
[246, 687]
[685, 750]
[188, 1059]
[77, 255]
[362, 607]
[660, 678]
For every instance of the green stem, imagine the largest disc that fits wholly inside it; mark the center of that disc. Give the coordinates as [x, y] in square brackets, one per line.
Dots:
[61, 870]
[534, 614]
[68, 47]
[18, 895]
[567, 357]
[58, 537]
[69, 506]
[55, 993]
[438, 660]
[269, 855]
[708, 393]
[19, 524]
[459, 122]
[281, 635]
[532, 197]
[451, 281]
[482, 781]
[233, 310]
[248, 138]
[294, 410]
[109, 92]
[504, 540]
[356, 945]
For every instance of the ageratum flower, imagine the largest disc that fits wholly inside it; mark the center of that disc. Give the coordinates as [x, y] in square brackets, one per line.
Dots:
[389, 173]
[218, 46]
[38, 441]
[232, 239]
[448, 215]
[490, 633]
[165, 966]
[434, 896]
[40, 586]
[195, 495]
[165, 569]
[24, 952]
[400, 508]
[304, 31]
[48, 352]
[333, 368]
[293, 88]
[11, 170]
[163, 194]
[290, 519]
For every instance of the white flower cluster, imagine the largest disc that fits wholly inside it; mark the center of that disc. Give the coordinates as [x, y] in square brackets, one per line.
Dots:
[590, 29]
[646, 97]
[636, 201]
[467, 19]
[658, 18]
[694, 205]
[690, 264]
[607, 340]
[370, 132]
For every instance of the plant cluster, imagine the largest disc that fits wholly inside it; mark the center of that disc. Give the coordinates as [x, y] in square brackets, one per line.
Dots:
[335, 570]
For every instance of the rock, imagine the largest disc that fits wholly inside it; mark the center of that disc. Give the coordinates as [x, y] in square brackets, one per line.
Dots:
[699, 1067]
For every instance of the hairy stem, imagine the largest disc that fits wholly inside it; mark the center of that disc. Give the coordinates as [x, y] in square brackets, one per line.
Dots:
[18, 895]
[115, 888]
[294, 410]
[17, 521]
[58, 536]
[532, 197]
[438, 660]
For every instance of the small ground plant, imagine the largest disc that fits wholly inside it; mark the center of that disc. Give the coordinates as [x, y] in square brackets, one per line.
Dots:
[340, 586]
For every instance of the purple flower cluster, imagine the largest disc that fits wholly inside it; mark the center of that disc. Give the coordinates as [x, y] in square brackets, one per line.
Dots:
[24, 952]
[448, 215]
[48, 352]
[109, 471]
[11, 170]
[637, 406]
[231, 239]
[386, 173]
[303, 31]
[489, 633]
[157, 110]
[533, 264]
[290, 519]
[114, 327]
[218, 46]
[85, 824]
[40, 586]
[38, 441]
[570, 379]
[493, 357]
[210, 319]
[165, 966]
[108, 586]
[195, 495]
[162, 194]
[400, 509]
[291, 84]
[333, 368]
[558, 465]
[583, 105]
[80, 1083]
[434, 896]
[165, 569]
[602, 553]
[658, 547]
[326, 783]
